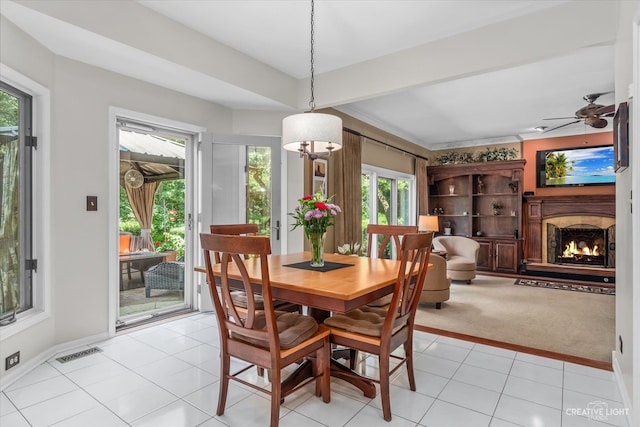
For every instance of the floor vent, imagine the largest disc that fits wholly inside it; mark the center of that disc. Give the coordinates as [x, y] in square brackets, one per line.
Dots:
[78, 355]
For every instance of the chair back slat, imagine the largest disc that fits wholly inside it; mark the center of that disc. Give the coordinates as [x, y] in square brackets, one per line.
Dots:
[246, 322]
[414, 257]
[234, 230]
[389, 233]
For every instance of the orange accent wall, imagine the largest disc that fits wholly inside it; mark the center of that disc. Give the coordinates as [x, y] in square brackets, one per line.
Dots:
[530, 147]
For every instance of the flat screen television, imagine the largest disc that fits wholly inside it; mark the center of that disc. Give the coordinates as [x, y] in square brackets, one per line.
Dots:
[576, 167]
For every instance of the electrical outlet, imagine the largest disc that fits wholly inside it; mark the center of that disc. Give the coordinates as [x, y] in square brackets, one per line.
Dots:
[12, 360]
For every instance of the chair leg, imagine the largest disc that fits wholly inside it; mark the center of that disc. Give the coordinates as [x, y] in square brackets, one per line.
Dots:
[323, 371]
[276, 396]
[385, 396]
[438, 305]
[225, 365]
[408, 354]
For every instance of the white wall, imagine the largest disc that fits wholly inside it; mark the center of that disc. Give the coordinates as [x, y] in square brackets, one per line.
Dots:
[81, 97]
[625, 328]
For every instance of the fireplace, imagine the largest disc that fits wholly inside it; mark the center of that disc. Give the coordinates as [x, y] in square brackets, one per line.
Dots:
[553, 222]
[580, 244]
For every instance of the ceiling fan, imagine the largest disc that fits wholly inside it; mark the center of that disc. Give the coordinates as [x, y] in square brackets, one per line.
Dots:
[592, 114]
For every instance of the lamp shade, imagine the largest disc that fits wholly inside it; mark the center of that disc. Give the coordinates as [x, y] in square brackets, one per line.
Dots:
[319, 131]
[428, 223]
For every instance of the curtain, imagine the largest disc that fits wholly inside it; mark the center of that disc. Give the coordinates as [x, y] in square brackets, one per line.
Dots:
[422, 186]
[141, 200]
[348, 190]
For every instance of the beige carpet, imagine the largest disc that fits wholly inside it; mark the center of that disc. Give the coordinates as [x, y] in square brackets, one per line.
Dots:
[573, 323]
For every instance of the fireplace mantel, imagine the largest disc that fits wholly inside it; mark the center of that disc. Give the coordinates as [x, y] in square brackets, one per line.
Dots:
[539, 208]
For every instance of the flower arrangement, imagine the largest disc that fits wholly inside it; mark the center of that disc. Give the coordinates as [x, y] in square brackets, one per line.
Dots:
[315, 214]
[349, 249]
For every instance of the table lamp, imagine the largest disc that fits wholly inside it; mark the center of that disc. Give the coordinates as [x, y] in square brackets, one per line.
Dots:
[428, 223]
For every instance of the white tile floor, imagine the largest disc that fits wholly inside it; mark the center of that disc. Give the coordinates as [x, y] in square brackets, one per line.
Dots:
[167, 375]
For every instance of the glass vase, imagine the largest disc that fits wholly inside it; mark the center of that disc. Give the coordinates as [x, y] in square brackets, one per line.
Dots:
[317, 249]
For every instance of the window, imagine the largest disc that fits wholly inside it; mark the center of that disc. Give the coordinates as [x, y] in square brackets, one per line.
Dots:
[387, 198]
[16, 145]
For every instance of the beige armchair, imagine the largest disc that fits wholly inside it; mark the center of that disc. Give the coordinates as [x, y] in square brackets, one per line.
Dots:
[437, 283]
[462, 256]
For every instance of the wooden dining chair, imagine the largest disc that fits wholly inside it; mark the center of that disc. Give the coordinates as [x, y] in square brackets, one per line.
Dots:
[262, 337]
[248, 230]
[380, 331]
[384, 241]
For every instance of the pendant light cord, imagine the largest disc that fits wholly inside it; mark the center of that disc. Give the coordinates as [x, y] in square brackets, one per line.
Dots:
[312, 102]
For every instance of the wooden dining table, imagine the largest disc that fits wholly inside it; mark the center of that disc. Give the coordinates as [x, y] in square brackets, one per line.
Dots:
[355, 282]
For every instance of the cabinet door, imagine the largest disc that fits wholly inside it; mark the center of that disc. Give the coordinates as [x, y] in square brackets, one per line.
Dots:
[506, 256]
[485, 255]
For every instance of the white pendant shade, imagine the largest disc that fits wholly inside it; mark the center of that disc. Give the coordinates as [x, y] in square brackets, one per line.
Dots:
[312, 132]
[427, 223]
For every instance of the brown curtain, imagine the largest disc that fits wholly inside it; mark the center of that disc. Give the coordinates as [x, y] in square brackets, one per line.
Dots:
[422, 186]
[141, 200]
[348, 190]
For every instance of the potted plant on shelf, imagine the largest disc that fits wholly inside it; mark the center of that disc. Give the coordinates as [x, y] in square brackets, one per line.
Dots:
[447, 228]
[496, 207]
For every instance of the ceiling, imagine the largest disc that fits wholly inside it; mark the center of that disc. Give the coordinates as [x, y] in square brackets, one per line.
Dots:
[441, 74]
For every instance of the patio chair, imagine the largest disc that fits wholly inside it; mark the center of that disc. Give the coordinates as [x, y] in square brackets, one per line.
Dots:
[164, 275]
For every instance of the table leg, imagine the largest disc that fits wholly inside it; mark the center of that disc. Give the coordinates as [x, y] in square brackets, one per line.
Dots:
[338, 370]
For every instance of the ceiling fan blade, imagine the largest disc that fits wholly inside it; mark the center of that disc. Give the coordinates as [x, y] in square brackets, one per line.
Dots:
[561, 126]
[559, 118]
[609, 109]
[599, 124]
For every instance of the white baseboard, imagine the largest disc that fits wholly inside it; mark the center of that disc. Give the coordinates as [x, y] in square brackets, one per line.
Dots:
[21, 370]
[626, 399]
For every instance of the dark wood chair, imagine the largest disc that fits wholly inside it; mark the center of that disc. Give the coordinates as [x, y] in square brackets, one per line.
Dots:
[265, 338]
[391, 235]
[380, 331]
[248, 230]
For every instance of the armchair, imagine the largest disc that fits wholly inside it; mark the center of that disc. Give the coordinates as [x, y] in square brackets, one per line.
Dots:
[462, 256]
[437, 283]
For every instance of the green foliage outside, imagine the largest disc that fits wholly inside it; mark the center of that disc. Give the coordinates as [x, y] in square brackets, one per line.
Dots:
[383, 204]
[167, 230]
[259, 189]
[10, 271]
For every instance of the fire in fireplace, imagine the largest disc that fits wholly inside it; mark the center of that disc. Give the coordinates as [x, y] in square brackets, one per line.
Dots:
[578, 244]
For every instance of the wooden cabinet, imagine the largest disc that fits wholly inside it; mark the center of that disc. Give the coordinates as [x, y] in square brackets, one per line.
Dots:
[502, 256]
[463, 196]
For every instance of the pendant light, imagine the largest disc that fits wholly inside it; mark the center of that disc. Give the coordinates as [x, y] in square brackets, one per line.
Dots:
[312, 134]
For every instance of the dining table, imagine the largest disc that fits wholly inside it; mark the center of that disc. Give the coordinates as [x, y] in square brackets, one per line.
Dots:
[343, 284]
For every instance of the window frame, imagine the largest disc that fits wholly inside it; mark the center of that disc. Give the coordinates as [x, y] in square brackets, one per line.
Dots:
[375, 173]
[40, 202]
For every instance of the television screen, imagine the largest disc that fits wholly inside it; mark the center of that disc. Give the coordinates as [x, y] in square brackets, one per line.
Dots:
[576, 167]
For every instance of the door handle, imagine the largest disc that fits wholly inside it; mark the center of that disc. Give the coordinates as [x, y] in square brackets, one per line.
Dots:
[277, 229]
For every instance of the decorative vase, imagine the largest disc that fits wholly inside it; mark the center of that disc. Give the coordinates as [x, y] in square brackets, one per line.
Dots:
[317, 249]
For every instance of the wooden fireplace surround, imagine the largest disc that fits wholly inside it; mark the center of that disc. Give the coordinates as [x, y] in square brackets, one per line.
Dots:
[539, 208]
